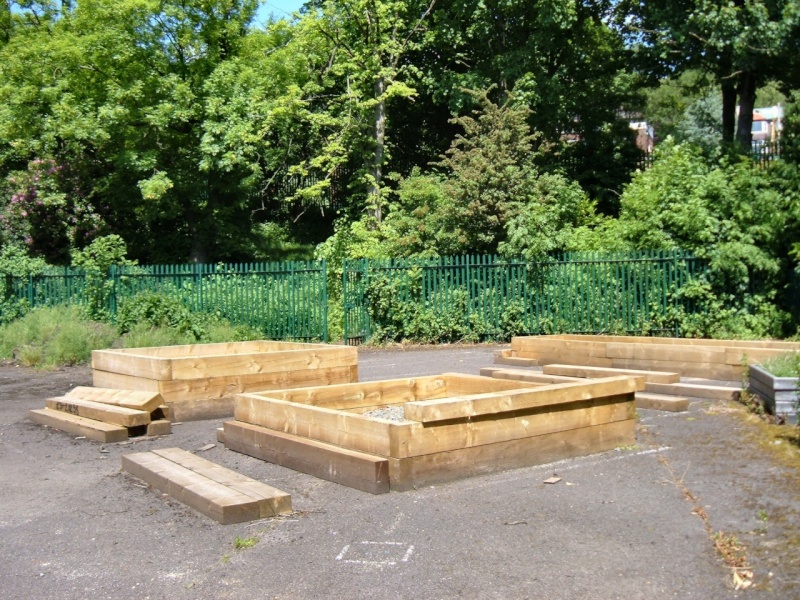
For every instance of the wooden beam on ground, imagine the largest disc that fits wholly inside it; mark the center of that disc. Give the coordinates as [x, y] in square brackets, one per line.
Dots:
[711, 392]
[596, 372]
[108, 413]
[132, 399]
[94, 430]
[661, 402]
[222, 494]
[359, 470]
[427, 411]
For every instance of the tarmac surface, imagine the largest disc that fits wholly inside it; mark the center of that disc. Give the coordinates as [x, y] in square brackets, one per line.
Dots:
[634, 523]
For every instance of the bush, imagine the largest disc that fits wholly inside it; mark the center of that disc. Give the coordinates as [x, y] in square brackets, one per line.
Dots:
[154, 310]
[50, 337]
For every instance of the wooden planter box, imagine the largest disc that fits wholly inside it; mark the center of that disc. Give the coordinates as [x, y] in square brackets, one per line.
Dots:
[780, 394]
[200, 381]
[707, 359]
[452, 426]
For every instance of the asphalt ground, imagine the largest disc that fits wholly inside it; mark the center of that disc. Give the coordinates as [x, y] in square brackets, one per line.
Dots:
[632, 523]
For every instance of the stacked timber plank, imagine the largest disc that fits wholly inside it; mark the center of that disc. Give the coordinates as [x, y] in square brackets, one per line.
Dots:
[199, 381]
[448, 427]
[222, 494]
[106, 415]
[722, 360]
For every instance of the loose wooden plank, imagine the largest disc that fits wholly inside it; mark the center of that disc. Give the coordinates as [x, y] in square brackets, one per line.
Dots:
[528, 377]
[427, 411]
[198, 483]
[661, 402]
[108, 413]
[711, 392]
[127, 398]
[335, 427]
[362, 471]
[410, 473]
[94, 430]
[596, 372]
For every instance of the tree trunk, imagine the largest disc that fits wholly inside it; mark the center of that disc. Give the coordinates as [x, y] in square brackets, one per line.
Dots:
[728, 111]
[747, 101]
[380, 139]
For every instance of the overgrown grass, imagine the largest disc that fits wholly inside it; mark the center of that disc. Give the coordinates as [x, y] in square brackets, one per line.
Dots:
[62, 336]
[784, 365]
[51, 337]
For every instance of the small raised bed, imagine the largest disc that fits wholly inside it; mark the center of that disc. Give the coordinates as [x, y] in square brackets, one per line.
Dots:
[199, 381]
[780, 394]
[449, 427]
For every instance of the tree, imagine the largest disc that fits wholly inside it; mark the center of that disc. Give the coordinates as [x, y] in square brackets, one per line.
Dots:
[370, 40]
[117, 91]
[742, 44]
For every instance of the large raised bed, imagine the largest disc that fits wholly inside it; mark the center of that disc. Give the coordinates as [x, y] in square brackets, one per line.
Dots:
[199, 381]
[708, 359]
[451, 426]
[780, 394]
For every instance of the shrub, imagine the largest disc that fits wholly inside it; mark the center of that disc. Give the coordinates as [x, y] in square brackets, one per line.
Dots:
[154, 310]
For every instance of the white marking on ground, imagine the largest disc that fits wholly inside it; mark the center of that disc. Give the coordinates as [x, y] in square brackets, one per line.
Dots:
[376, 554]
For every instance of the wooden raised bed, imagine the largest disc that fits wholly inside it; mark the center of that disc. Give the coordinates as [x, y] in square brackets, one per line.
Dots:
[780, 394]
[200, 381]
[452, 426]
[708, 359]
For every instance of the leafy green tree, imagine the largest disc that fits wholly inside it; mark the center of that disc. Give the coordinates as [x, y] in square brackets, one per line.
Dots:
[742, 44]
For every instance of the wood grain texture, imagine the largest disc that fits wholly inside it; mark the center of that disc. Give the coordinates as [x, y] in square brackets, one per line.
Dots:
[711, 392]
[94, 430]
[652, 401]
[427, 411]
[128, 398]
[224, 495]
[410, 473]
[115, 415]
[529, 377]
[596, 372]
[365, 472]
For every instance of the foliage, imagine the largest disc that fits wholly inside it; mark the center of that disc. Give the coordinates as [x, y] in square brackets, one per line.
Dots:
[51, 337]
[149, 309]
[783, 365]
[96, 260]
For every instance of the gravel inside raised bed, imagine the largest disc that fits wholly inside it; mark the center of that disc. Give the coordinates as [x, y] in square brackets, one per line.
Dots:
[392, 413]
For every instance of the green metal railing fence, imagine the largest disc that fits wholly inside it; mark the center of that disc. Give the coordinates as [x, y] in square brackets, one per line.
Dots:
[480, 297]
[630, 293]
[285, 300]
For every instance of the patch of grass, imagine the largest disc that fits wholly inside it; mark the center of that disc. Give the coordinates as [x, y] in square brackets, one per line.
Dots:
[763, 516]
[145, 335]
[49, 337]
[241, 543]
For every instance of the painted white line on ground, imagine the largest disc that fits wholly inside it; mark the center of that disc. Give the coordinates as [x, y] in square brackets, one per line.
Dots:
[362, 556]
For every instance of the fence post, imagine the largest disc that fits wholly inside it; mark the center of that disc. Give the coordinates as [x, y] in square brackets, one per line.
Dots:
[344, 300]
[324, 268]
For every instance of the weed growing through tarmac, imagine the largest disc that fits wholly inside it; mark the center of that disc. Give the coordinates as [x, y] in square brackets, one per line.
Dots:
[241, 543]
